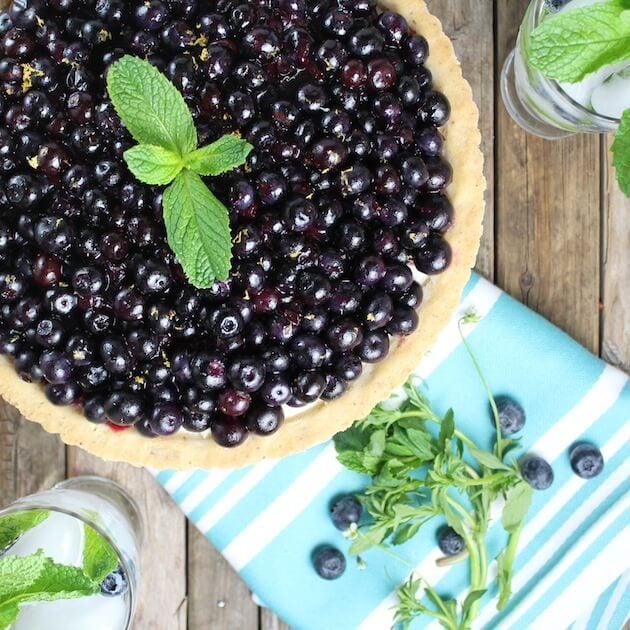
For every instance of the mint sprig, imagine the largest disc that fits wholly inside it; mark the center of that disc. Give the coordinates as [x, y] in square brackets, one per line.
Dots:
[156, 115]
[37, 578]
[621, 153]
[571, 45]
[12, 526]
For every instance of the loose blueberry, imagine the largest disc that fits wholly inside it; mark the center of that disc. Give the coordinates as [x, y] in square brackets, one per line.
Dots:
[511, 415]
[537, 472]
[345, 512]
[329, 563]
[586, 460]
[449, 541]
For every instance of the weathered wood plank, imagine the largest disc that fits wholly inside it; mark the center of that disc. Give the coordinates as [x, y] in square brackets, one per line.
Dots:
[217, 597]
[162, 597]
[616, 271]
[270, 621]
[469, 23]
[30, 458]
[547, 214]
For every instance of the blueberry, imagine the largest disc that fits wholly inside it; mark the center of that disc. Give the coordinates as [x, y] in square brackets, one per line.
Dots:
[511, 415]
[115, 583]
[449, 541]
[345, 512]
[537, 472]
[587, 460]
[555, 5]
[329, 563]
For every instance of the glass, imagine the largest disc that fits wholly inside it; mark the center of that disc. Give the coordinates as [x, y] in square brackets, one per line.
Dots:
[539, 105]
[106, 508]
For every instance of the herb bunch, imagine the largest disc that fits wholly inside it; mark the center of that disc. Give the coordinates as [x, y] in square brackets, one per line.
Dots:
[423, 467]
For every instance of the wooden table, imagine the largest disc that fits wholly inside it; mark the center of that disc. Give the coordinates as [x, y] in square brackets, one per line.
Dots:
[557, 237]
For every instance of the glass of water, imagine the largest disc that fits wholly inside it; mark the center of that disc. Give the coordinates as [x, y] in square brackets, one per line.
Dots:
[105, 507]
[553, 110]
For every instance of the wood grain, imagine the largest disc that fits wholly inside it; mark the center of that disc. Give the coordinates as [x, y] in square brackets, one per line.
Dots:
[615, 346]
[469, 23]
[162, 597]
[270, 621]
[30, 458]
[217, 598]
[548, 214]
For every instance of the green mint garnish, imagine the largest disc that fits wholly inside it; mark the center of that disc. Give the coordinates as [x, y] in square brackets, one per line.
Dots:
[156, 115]
[99, 557]
[37, 578]
[571, 45]
[197, 228]
[219, 157]
[152, 164]
[621, 153]
[12, 526]
[150, 106]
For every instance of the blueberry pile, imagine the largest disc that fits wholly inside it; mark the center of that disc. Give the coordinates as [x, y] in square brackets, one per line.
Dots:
[343, 192]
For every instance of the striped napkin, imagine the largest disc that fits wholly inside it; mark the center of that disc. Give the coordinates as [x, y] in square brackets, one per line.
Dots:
[573, 558]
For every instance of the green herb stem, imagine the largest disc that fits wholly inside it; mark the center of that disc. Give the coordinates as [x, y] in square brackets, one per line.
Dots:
[484, 383]
[508, 565]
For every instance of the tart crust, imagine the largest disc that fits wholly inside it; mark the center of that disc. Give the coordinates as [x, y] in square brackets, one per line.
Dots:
[318, 423]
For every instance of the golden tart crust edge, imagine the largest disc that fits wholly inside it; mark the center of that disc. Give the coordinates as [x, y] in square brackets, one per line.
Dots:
[318, 423]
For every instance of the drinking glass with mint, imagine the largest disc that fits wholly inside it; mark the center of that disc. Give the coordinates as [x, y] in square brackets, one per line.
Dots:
[69, 558]
[570, 73]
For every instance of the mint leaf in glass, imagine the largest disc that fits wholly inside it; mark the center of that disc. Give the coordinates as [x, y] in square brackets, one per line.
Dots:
[99, 557]
[221, 156]
[150, 106]
[571, 45]
[198, 229]
[153, 164]
[12, 526]
[621, 153]
[38, 578]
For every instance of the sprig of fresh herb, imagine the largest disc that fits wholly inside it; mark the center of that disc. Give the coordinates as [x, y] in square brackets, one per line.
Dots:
[573, 44]
[156, 115]
[37, 577]
[578, 42]
[421, 467]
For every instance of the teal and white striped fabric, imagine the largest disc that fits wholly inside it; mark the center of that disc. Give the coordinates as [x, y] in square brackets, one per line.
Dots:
[573, 560]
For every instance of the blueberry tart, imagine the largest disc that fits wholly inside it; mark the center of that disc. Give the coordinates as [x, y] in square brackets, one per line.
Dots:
[352, 222]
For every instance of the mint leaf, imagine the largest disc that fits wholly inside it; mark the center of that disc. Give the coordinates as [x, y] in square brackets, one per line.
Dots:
[571, 45]
[153, 164]
[150, 106]
[38, 578]
[621, 153]
[198, 229]
[226, 154]
[8, 614]
[12, 526]
[99, 557]
[515, 509]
